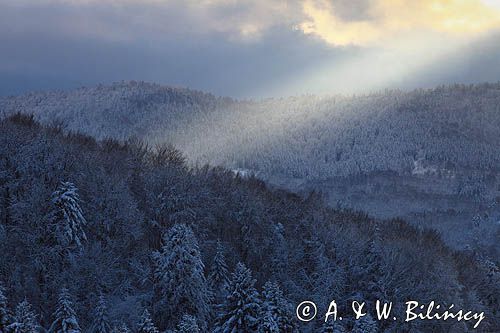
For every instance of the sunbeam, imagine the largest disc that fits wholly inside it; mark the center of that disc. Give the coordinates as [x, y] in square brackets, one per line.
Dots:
[377, 68]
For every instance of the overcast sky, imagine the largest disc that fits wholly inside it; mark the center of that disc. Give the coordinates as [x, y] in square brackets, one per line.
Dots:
[249, 48]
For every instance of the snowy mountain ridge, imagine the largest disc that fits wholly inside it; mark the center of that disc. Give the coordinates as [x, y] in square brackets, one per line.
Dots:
[313, 137]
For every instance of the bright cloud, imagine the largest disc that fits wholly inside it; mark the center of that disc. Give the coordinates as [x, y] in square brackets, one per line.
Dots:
[251, 47]
[389, 18]
[337, 22]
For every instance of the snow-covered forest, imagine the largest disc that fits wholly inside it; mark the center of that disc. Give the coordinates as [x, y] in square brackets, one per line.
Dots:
[433, 153]
[446, 130]
[103, 236]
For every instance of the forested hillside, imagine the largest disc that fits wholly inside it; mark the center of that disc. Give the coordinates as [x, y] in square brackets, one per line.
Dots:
[104, 236]
[445, 131]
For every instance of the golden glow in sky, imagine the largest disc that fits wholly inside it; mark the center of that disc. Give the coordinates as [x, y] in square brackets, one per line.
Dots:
[269, 47]
[386, 19]
[367, 22]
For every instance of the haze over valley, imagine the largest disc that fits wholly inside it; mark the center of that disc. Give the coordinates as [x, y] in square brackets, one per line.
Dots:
[429, 156]
[224, 166]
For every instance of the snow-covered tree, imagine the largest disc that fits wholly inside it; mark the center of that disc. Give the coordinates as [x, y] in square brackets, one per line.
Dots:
[332, 327]
[188, 324]
[240, 311]
[25, 320]
[181, 287]
[218, 277]
[365, 324]
[68, 216]
[4, 311]
[371, 281]
[279, 255]
[268, 323]
[275, 309]
[65, 319]
[120, 328]
[315, 269]
[312, 249]
[146, 324]
[101, 323]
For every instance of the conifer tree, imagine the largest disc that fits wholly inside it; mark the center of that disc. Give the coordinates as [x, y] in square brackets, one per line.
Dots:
[279, 255]
[146, 324]
[121, 328]
[328, 327]
[25, 320]
[101, 323]
[332, 327]
[241, 309]
[268, 323]
[371, 284]
[276, 309]
[4, 311]
[188, 324]
[68, 216]
[365, 324]
[218, 277]
[181, 287]
[65, 320]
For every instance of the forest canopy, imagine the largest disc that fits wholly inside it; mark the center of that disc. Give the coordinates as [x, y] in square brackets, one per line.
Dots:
[105, 235]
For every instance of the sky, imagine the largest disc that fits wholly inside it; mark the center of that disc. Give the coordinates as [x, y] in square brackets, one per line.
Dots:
[247, 49]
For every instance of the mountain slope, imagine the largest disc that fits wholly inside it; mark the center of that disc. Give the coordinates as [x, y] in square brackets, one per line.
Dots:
[443, 130]
[128, 197]
[431, 156]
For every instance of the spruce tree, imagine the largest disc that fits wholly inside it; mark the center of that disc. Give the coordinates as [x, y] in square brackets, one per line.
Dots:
[275, 308]
[121, 328]
[146, 324]
[181, 287]
[371, 283]
[218, 277]
[188, 324]
[279, 254]
[315, 269]
[268, 323]
[25, 320]
[241, 309]
[4, 311]
[101, 323]
[365, 324]
[65, 317]
[328, 327]
[68, 216]
[332, 327]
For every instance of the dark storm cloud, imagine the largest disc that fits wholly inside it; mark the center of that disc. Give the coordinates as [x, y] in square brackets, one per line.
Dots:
[225, 47]
[65, 46]
[211, 64]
